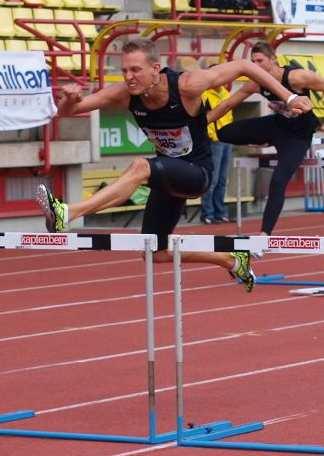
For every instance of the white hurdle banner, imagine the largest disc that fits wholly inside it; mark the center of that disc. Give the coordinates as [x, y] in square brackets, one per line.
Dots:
[77, 241]
[254, 244]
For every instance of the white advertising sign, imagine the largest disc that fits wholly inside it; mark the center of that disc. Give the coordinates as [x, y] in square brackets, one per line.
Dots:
[308, 12]
[26, 98]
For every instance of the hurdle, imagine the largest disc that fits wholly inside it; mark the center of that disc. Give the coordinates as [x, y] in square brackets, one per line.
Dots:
[146, 243]
[206, 436]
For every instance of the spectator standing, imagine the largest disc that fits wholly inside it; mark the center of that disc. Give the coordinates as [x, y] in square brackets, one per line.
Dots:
[213, 208]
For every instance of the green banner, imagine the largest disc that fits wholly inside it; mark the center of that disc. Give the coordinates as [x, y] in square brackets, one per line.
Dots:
[119, 134]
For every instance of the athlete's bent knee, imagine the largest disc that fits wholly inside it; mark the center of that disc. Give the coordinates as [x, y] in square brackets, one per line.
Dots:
[141, 169]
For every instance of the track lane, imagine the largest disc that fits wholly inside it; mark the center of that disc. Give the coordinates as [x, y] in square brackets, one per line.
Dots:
[249, 392]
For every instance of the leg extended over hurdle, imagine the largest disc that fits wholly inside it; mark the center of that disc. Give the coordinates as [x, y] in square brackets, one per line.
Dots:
[211, 435]
[74, 241]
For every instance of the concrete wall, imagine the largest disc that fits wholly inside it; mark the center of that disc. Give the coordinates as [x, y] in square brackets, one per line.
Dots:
[23, 224]
[13, 155]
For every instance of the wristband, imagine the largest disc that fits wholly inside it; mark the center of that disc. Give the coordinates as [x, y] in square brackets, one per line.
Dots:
[291, 98]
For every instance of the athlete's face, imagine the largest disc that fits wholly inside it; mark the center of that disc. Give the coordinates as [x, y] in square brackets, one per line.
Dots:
[139, 73]
[262, 61]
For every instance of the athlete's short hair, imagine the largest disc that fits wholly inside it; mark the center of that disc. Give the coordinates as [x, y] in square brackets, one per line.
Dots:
[147, 46]
[264, 48]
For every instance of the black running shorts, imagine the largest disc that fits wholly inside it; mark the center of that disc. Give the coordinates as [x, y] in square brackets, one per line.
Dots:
[172, 181]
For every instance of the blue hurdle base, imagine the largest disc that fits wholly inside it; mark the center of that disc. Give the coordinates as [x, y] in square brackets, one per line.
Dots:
[210, 438]
[279, 279]
[160, 438]
[14, 416]
[250, 446]
[269, 278]
[153, 438]
[214, 430]
[207, 429]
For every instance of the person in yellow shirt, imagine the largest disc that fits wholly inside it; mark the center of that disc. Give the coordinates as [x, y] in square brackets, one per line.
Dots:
[213, 208]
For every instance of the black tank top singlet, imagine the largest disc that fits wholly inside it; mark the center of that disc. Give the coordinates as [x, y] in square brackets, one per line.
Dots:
[303, 125]
[171, 129]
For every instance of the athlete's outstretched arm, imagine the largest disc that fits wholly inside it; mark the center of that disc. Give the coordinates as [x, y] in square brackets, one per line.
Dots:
[72, 101]
[195, 82]
[305, 79]
[230, 103]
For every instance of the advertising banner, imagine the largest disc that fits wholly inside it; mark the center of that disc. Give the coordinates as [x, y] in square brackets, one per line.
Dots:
[308, 12]
[26, 98]
[119, 134]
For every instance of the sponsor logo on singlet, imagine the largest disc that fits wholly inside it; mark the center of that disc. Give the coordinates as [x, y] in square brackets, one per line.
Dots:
[282, 242]
[44, 239]
[173, 142]
[140, 113]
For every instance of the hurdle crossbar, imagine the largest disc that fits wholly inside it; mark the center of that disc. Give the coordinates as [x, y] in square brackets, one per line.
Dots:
[253, 244]
[203, 243]
[76, 241]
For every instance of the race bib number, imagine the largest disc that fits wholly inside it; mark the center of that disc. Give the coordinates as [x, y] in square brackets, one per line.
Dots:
[174, 142]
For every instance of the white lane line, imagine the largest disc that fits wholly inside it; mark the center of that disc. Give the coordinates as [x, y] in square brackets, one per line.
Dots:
[113, 262]
[159, 348]
[303, 274]
[239, 375]
[105, 300]
[142, 320]
[138, 276]
[122, 355]
[296, 326]
[70, 284]
[69, 267]
[283, 419]
[40, 255]
[68, 304]
[147, 449]
[106, 279]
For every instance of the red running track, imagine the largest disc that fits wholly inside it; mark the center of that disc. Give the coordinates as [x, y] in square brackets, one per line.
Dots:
[73, 348]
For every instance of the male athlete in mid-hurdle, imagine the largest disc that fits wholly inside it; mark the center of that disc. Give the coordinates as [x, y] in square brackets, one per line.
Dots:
[167, 106]
[290, 135]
